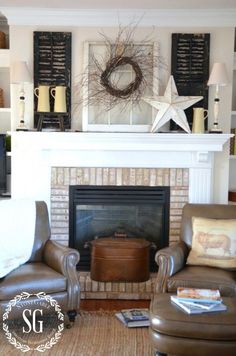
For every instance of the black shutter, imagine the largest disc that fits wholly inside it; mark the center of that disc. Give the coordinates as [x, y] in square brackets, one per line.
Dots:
[52, 66]
[190, 68]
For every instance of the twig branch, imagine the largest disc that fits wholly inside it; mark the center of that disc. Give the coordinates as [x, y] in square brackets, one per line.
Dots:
[103, 78]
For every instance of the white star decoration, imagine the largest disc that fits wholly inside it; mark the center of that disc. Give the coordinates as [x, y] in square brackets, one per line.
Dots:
[171, 106]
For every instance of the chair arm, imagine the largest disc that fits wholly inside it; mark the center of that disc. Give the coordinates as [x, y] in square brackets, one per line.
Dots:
[60, 258]
[170, 260]
[63, 260]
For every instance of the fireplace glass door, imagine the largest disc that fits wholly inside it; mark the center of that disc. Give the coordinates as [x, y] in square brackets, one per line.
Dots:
[135, 212]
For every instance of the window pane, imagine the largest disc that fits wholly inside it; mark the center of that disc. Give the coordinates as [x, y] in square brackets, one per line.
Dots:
[120, 114]
[142, 114]
[97, 115]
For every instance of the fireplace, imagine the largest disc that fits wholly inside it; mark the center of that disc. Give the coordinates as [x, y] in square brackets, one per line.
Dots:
[102, 211]
[57, 160]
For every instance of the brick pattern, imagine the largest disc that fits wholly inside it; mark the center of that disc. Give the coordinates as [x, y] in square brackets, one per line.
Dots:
[107, 290]
[62, 177]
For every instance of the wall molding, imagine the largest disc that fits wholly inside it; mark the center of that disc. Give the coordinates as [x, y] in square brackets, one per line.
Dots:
[110, 17]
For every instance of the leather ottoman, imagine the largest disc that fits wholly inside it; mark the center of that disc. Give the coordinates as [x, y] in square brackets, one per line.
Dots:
[174, 332]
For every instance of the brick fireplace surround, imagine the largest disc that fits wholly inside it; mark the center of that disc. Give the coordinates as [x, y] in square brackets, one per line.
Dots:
[57, 160]
[62, 177]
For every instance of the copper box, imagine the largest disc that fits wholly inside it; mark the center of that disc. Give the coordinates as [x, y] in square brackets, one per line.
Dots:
[232, 195]
[120, 260]
[2, 40]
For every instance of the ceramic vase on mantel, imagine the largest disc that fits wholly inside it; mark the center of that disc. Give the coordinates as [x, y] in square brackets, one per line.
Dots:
[59, 95]
[199, 117]
[42, 93]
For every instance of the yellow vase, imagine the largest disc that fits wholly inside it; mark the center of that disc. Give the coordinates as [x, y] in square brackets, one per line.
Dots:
[42, 93]
[199, 116]
[59, 95]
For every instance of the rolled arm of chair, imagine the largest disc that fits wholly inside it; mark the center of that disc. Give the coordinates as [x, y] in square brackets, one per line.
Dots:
[60, 258]
[64, 260]
[170, 260]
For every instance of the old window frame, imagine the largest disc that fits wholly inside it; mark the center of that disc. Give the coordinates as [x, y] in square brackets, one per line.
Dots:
[116, 127]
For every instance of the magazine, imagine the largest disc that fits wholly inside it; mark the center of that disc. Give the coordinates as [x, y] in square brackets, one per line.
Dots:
[132, 324]
[135, 314]
[196, 308]
[134, 317]
[203, 305]
[201, 295]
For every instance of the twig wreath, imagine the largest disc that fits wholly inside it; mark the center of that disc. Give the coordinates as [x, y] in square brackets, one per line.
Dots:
[111, 67]
[103, 78]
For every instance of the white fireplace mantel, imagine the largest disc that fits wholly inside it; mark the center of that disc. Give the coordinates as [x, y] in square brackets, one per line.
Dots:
[120, 141]
[34, 153]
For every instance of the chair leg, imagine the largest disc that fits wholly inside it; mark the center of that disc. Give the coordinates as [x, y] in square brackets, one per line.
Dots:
[72, 315]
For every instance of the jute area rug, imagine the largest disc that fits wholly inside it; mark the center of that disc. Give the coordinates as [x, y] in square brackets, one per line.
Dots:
[97, 333]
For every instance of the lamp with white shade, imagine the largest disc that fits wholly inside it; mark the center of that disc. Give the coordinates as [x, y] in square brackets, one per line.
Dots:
[20, 74]
[218, 77]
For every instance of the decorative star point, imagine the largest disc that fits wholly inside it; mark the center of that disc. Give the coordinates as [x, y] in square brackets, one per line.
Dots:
[171, 106]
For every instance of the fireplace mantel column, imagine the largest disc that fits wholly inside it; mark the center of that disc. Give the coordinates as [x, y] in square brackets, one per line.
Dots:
[201, 178]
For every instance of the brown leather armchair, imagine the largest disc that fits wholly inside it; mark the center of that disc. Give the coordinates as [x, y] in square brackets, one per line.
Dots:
[173, 271]
[51, 269]
[171, 330]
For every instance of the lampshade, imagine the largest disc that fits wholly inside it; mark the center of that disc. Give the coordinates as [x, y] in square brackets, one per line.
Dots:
[218, 75]
[20, 73]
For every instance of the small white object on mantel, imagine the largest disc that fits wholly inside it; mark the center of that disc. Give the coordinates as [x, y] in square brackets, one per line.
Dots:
[171, 106]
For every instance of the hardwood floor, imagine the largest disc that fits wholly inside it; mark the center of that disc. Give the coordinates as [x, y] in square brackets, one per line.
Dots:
[112, 304]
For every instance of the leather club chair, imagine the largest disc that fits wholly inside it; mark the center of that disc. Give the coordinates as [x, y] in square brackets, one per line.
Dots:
[51, 269]
[173, 272]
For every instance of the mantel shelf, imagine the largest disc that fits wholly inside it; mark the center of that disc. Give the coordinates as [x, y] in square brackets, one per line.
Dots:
[166, 142]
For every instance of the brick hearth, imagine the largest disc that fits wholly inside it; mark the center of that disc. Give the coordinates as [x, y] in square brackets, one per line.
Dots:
[110, 290]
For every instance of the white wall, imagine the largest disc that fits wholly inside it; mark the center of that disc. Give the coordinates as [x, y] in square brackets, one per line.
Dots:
[221, 49]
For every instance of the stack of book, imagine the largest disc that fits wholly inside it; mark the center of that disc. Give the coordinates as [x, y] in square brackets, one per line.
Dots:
[133, 318]
[198, 301]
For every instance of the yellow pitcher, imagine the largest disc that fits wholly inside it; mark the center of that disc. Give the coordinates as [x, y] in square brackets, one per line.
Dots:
[199, 116]
[42, 93]
[59, 95]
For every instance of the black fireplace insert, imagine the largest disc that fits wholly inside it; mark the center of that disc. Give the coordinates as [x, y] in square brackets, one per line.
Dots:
[102, 211]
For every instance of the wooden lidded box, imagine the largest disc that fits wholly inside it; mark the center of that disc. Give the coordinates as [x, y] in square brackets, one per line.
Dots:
[2, 40]
[120, 260]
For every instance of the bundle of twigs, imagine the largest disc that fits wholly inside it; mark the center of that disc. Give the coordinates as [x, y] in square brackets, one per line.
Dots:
[111, 67]
[103, 78]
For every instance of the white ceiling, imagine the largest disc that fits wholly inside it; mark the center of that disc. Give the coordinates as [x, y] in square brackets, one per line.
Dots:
[121, 4]
[218, 13]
